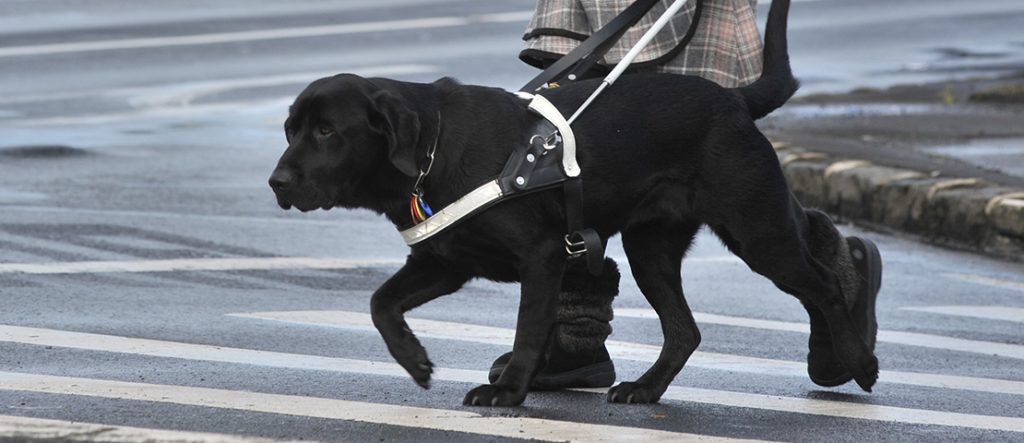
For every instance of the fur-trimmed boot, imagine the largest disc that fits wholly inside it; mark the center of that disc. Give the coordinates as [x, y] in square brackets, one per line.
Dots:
[578, 357]
[858, 266]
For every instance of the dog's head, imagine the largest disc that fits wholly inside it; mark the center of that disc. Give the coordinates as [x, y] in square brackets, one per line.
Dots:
[349, 139]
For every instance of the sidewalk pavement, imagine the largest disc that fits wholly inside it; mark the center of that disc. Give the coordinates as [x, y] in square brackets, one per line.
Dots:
[960, 212]
[942, 162]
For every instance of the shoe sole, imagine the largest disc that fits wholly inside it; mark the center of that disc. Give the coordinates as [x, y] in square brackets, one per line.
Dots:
[868, 264]
[834, 382]
[597, 375]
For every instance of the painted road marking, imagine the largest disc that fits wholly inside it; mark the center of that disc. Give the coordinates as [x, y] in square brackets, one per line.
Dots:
[220, 107]
[177, 99]
[334, 409]
[188, 351]
[844, 409]
[180, 93]
[191, 264]
[631, 351]
[895, 337]
[83, 212]
[157, 348]
[983, 312]
[264, 34]
[185, 94]
[216, 264]
[14, 428]
[987, 281]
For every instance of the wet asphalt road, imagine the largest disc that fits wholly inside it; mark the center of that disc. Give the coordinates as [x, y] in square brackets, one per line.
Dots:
[143, 285]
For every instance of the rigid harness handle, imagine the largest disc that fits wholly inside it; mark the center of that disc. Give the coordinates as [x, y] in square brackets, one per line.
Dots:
[584, 56]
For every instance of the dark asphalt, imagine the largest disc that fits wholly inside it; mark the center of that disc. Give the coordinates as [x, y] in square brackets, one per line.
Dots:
[162, 153]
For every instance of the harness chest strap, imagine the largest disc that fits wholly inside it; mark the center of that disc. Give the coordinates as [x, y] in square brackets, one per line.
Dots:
[491, 192]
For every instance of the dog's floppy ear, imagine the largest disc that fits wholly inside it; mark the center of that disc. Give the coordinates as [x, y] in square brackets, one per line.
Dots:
[401, 126]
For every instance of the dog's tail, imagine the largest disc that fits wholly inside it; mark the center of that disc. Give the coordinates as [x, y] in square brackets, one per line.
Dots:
[776, 84]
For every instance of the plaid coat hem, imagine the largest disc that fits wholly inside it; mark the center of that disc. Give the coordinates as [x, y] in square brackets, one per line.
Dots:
[725, 49]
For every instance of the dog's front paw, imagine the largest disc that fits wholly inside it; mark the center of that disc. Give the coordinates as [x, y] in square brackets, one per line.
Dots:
[631, 392]
[413, 358]
[421, 371]
[492, 395]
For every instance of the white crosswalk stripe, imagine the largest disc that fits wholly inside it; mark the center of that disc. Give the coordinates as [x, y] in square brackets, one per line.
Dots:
[1002, 313]
[191, 264]
[991, 282]
[38, 429]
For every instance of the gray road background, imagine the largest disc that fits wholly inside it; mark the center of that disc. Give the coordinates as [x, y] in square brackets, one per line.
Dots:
[140, 132]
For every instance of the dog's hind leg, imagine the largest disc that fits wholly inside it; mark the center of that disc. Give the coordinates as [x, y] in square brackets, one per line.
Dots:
[420, 280]
[760, 221]
[655, 253]
[540, 274]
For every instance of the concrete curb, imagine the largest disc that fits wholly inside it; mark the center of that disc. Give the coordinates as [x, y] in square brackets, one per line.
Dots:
[962, 212]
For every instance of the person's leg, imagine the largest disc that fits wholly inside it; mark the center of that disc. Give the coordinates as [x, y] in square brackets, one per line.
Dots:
[859, 267]
[801, 251]
[578, 358]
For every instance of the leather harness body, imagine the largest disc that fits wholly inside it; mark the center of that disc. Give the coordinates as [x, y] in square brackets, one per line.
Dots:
[532, 167]
[528, 169]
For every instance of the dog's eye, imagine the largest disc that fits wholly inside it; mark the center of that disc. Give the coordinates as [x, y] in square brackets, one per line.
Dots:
[325, 130]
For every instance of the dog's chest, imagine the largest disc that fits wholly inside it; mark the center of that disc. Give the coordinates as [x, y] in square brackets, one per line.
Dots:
[477, 255]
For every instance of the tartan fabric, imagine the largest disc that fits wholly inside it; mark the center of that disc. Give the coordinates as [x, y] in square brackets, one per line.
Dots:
[726, 48]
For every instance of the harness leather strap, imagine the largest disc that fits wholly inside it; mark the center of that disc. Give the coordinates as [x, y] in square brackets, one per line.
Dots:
[477, 200]
[593, 247]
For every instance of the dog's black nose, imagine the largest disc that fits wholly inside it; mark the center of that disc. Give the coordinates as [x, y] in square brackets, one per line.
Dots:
[281, 180]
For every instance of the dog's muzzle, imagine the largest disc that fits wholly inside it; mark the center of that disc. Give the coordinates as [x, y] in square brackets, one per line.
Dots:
[294, 192]
[281, 182]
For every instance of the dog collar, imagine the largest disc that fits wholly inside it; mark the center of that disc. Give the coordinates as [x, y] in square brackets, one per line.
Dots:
[510, 181]
[418, 207]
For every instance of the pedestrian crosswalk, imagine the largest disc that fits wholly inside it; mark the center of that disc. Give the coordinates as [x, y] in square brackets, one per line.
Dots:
[633, 351]
[393, 415]
[155, 348]
[448, 415]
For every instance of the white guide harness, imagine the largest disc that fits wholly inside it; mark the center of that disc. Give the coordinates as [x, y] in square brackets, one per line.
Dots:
[491, 192]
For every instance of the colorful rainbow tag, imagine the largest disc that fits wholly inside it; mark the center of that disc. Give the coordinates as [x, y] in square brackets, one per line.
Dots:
[419, 208]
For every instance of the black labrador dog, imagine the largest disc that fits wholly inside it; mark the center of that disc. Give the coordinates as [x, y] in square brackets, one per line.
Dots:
[661, 156]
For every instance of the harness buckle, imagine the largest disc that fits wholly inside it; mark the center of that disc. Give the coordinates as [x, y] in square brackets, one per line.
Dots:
[576, 248]
[552, 141]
